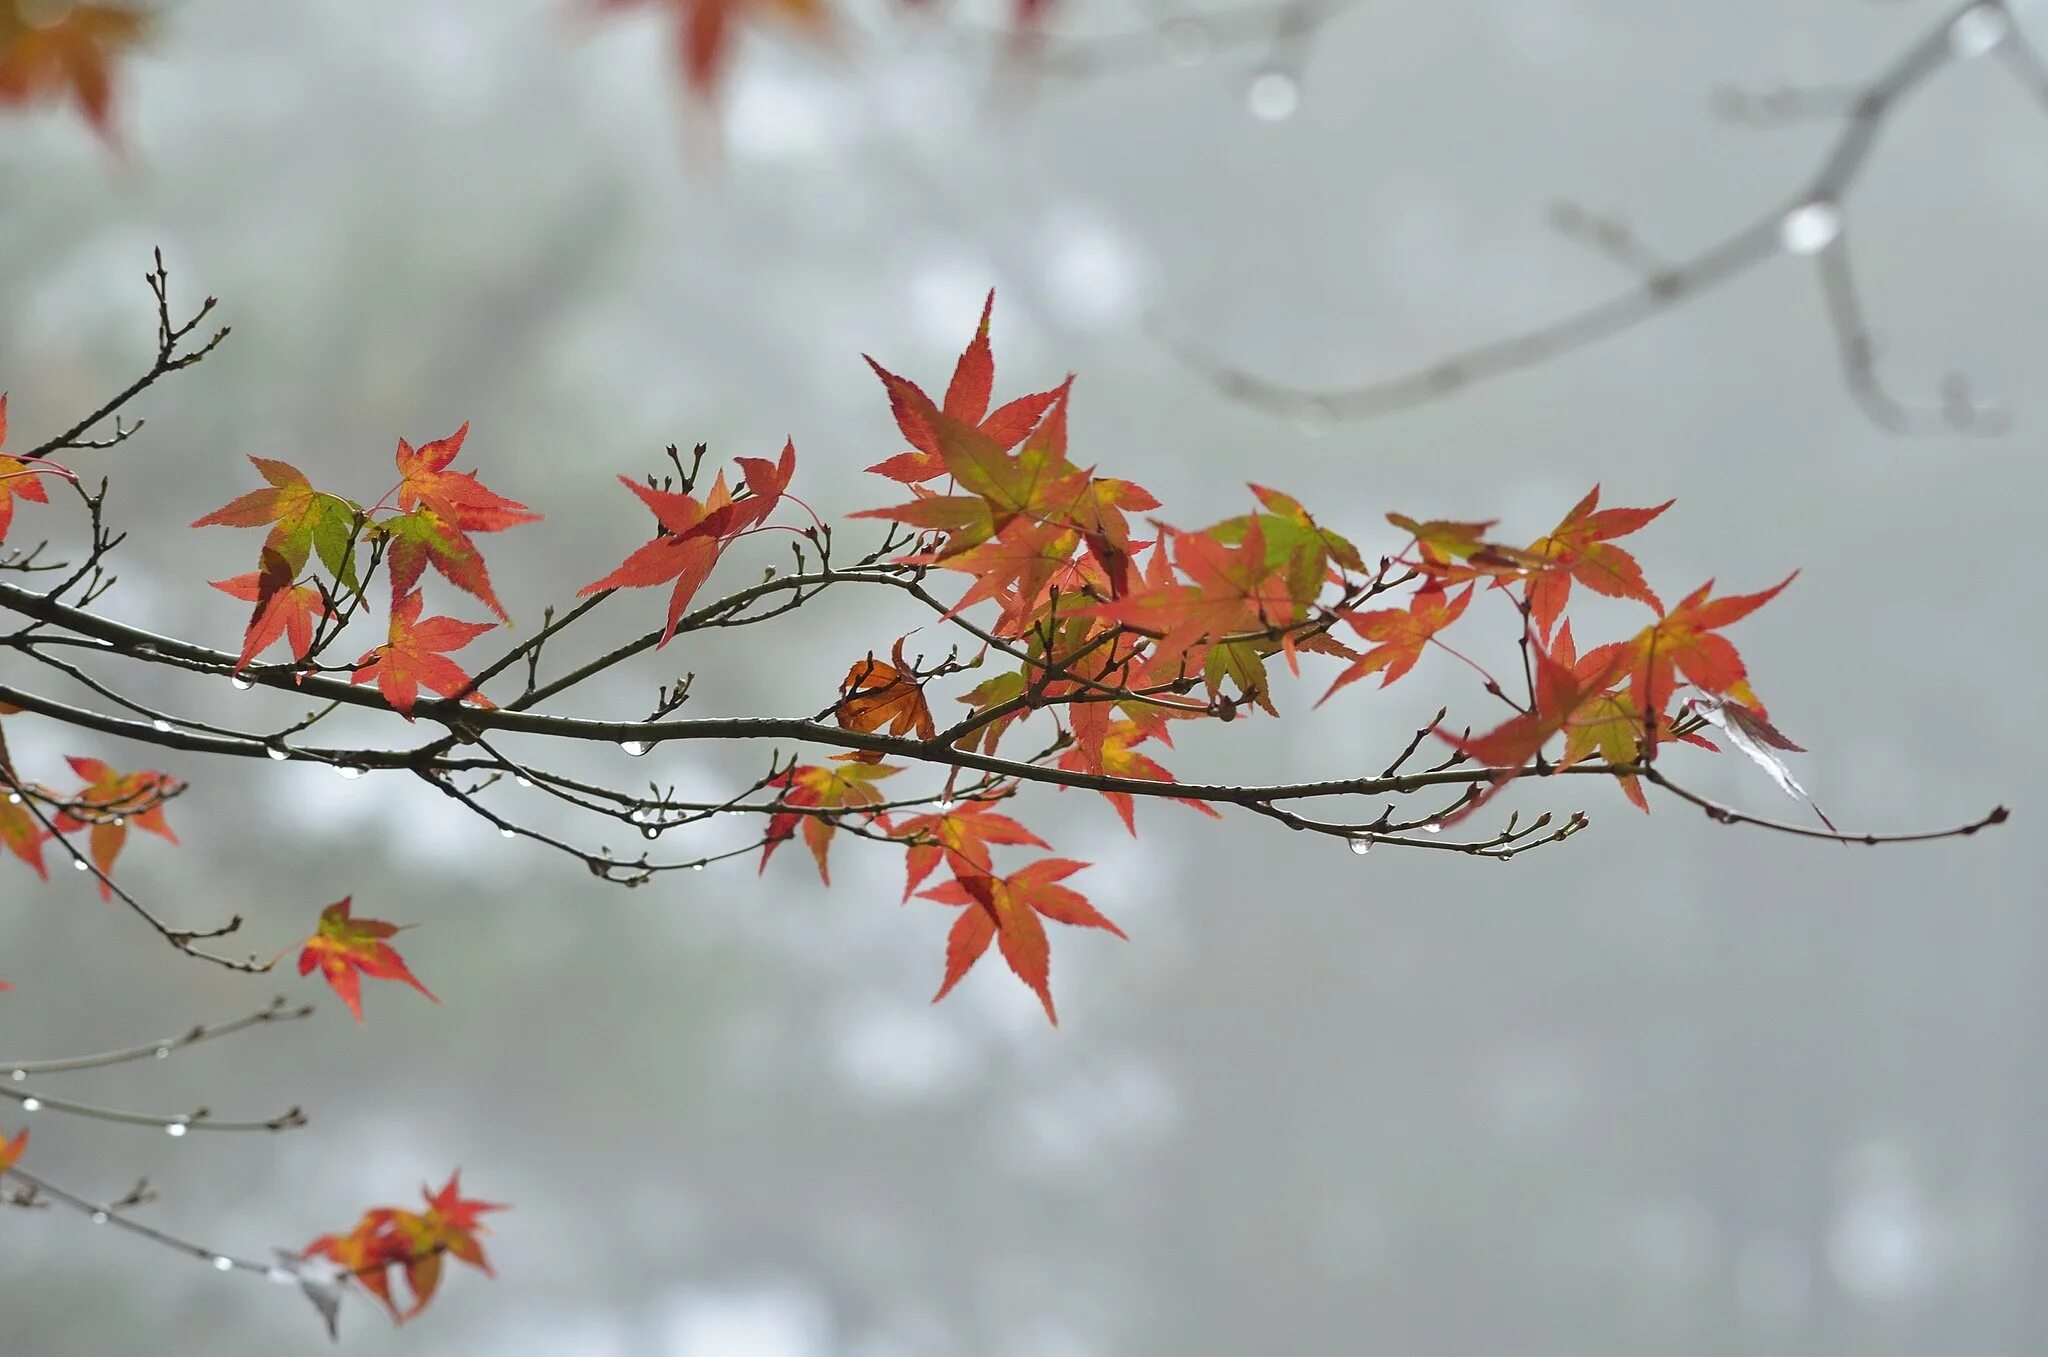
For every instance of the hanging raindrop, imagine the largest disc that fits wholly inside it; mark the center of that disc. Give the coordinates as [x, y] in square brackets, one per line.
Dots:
[223, 1263]
[696, 866]
[31, 1104]
[277, 753]
[175, 1129]
[635, 748]
[242, 684]
[1272, 96]
[99, 1217]
[508, 833]
[1978, 30]
[651, 831]
[1432, 829]
[161, 726]
[1810, 227]
[80, 865]
[18, 1076]
[1361, 845]
[349, 771]
[163, 1053]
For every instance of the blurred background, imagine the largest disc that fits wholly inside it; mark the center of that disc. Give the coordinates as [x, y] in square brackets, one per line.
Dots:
[1672, 1087]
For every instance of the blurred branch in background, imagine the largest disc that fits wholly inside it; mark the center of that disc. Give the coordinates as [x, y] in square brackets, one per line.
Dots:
[1812, 225]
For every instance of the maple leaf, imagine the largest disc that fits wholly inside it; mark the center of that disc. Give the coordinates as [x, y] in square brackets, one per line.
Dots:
[23, 835]
[1402, 634]
[705, 31]
[456, 497]
[10, 1150]
[18, 480]
[959, 833]
[878, 694]
[109, 804]
[284, 610]
[367, 1254]
[967, 399]
[346, 949]
[1685, 639]
[301, 519]
[1579, 549]
[1111, 753]
[422, 538]
[1009, 911]
[449, 1226]
[1569, 697]
[1452, 552]
[848, 785]
[71, 51]
[691, 535]
[1230, 588]
[415, 655]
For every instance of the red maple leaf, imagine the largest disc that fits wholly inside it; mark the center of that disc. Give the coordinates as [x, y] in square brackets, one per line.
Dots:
[1579, 549]
[18, 480]
[284, 610]
[1009, 911]
[10, 1150]
[884, 695]
[69, 51]
[415, 656]
[960, 833]
[847, 784]
[1685, 639]
[967, 399]
[346, 949]
[457, 497]
[691, 535]
[1402, 634]
[110, 804]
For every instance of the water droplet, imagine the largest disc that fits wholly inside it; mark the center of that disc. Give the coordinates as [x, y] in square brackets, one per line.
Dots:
[651, 831]
[508, 833]
[522, 781]
[1361, 845]
[80, 865]
[163, 1053]
[1978, 30]
[1432, 829]
[1273, 96]
[277, 753]
[14, 798]
[1810, 227]
[945, 803]
[99, 1217]
[349, 771]
[1188, 42]
[120, 820]
[241, 684]
[161, 726]
[223, 1263]
[696, 866]
[635, 748]
[18, 1075]
[175, 1129]
[31, 1104]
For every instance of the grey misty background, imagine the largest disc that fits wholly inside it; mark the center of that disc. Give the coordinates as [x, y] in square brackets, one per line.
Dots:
[1672, 1088]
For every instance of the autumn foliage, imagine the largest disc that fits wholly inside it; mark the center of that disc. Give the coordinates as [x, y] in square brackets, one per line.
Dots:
[1093, 620]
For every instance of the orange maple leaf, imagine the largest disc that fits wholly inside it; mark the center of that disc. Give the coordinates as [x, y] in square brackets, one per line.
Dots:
[18, 480]
[415, 656]
[284, 610]
[847, 785]
[346, 949]
[1685, 639]
[879, 694]
[458, 498]
[1578, 549]
[1008, 911]
[10, 1150]
[109, 804]
[1402, 634]
[69, 50]
[960, 833]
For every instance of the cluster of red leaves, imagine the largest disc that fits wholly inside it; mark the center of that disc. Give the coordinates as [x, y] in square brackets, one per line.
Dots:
[438, 513]
[51, 50]
[391, 1243]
